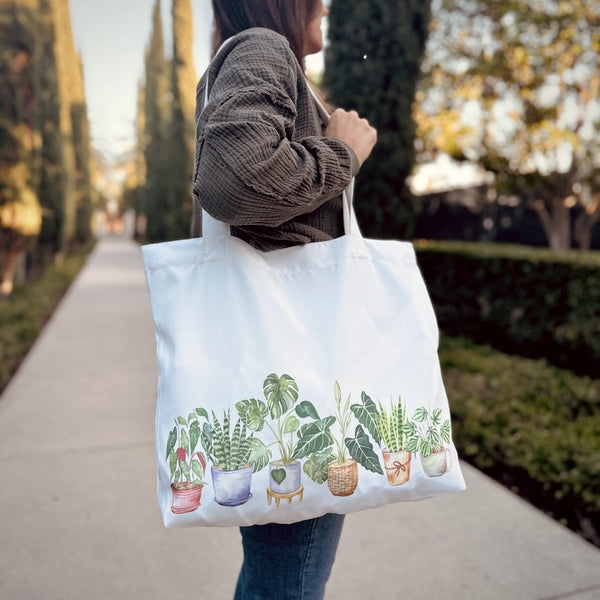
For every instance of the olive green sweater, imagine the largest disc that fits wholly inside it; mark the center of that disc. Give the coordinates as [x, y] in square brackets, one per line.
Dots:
[262, 162]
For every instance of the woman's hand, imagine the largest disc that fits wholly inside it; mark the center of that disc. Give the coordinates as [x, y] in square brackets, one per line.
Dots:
[348, 127]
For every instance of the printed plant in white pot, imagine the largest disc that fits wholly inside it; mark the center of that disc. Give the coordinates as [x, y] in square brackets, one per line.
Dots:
[187, 464]
[428, 432]
[234, 455]
[281, 414]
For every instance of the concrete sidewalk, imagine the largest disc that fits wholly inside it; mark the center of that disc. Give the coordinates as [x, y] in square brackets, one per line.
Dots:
[78, 512]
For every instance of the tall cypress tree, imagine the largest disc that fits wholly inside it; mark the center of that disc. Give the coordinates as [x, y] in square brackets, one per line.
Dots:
[158, 197]
[66, 66]
[182, 143]
[20, 210]
[135, 180]
[52, 182]
[372, 66]
[50, 146]
[136, 195]
[83, 155]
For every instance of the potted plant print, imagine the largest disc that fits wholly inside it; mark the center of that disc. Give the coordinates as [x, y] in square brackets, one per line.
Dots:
[281, 414]
[187, 464]
[234, 455]
[427, 433]
[342, 471]
[396, 457]
[388, 428]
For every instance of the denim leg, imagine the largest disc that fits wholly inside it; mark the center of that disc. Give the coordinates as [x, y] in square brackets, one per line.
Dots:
[288, 562]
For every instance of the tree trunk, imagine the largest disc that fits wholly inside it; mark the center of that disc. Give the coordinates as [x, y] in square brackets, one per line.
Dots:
[556, 221]
[12, 245]
[585, 222]
[8, 268]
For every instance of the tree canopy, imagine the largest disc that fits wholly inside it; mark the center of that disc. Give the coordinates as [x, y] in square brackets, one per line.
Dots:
[45, 174]
[514, 86]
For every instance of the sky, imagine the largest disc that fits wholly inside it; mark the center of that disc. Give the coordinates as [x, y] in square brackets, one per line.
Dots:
[112, 36]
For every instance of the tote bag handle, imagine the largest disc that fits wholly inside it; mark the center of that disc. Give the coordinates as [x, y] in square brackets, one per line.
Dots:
[350, 222]
[212, 227]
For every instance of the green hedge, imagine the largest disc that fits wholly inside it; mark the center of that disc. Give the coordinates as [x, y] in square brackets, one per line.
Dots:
[25, 312]
[531, 426]
[522, 300]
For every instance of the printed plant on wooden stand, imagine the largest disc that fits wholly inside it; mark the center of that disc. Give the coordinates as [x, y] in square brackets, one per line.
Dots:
[281, 414]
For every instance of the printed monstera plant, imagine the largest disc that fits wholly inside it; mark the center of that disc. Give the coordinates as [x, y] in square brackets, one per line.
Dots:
[282, 414]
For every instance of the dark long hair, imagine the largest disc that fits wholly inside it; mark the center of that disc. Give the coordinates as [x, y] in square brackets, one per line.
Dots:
[287, 17]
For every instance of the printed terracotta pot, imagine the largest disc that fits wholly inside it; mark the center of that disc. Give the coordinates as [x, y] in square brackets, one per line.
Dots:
[186, 498]
[285, 479]
[437, 463]
[232, 488]
[397, 466]
[342, 479]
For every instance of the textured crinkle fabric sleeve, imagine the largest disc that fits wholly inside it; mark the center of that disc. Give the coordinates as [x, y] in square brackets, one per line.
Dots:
[252, 167]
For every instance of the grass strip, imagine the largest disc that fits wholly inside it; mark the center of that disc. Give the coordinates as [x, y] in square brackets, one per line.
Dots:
[26, 311]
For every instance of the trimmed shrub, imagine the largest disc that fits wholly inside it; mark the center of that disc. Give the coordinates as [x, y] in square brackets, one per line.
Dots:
[529, 425]
[526, 301]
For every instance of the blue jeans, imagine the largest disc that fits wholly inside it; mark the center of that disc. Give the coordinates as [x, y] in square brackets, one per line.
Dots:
[288, 562]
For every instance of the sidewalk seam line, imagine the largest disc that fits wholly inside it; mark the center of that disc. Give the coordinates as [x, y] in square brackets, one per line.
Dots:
[571, 594]
[84, 449]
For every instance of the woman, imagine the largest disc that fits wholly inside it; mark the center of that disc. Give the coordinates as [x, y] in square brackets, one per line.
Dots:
[273, 165]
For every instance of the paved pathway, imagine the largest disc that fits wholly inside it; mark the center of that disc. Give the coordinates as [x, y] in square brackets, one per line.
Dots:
[78, 513]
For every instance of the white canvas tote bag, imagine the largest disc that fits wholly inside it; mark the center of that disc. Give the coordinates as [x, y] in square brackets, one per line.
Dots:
[295, 382]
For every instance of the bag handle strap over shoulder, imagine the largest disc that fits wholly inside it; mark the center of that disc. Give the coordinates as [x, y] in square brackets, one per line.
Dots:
[350, 222]
[212, 227]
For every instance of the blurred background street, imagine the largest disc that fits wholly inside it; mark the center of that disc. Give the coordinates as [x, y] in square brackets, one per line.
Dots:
[488, 113]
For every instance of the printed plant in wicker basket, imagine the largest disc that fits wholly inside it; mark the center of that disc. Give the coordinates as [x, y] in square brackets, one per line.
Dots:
[281, 414]
[234, 455]
[342, 473]
[339, 467]
[427, 434]
[389, 429]
[186, 464]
